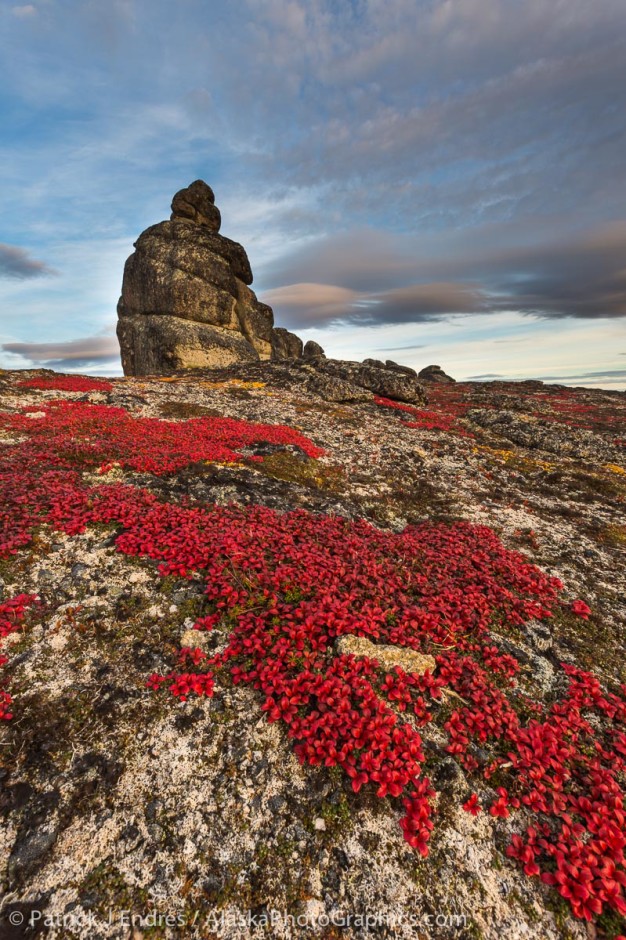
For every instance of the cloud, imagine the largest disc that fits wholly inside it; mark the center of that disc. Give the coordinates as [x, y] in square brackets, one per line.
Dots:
[24, 11]
[312, 304]
[403, 348]
[309, 305]
[17, 263]
[581, 276]
[616, 374]
[77, 353]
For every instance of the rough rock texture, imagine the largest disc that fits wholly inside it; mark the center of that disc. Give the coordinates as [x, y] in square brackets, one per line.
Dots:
[163, 344]
[186, 300]
[435, 374]
[312, 350]
[377, 377]
[197, 202]
[390, 364]
[285, 345]
[338, 380]
[116, 800]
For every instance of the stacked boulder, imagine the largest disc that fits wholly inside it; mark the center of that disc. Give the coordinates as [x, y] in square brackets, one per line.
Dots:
[186, 298]
[187, 304]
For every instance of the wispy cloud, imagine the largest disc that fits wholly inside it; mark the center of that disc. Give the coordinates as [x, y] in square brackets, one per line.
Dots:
[17, 263]
[579, 277]
[24, 11]
[78, 353]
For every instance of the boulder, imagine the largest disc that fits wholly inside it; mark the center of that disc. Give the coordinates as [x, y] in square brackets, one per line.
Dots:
[385, 382]
[186, 297]
[388, 656]
[331, 388]
[435, 374]
[285, 345]
[390, 364]
[197, 203]
[313, 350]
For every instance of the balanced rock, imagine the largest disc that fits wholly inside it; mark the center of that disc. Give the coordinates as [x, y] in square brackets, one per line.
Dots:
[186, 300]
[313, 350]
[435, 374]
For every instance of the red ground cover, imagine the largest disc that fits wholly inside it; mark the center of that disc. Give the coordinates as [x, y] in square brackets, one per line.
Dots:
[286, 586]
[67, 383]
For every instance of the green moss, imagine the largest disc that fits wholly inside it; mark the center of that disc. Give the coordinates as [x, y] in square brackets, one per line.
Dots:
[613, 535]
[107, 890]
[293, 468]
[562, 913]
[592, 641]
[610, 924]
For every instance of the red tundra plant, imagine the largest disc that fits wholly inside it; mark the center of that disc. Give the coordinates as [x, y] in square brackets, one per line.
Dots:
[67, 383]
[581, 609]
[12, 614]
[288, 586]
[40, 478]
[472, 805]
[428, 420]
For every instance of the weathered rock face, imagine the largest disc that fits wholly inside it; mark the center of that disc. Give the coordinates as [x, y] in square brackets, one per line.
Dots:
[313, 350]
[338, 380]
[186, 300]
[375, 376]
[285, 345]
[435, 374]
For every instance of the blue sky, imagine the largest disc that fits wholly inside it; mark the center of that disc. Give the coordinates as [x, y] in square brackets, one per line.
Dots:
[437, 181]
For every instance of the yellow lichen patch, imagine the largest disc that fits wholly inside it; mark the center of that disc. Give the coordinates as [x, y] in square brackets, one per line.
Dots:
[527, 464]
[232, 383]
[614, 535]
[492, 452]
[613, 468]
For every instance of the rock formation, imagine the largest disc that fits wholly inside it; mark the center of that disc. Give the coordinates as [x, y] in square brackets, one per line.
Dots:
[377, 377]
[187, 303]
[285, 345]
[186, 300]
[435, 374]
[313, 350]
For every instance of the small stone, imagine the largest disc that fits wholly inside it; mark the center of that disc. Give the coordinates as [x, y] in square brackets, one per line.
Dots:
[387, 655]
[320, 824]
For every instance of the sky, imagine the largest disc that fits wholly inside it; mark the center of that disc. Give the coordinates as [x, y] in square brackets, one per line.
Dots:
[429, 181]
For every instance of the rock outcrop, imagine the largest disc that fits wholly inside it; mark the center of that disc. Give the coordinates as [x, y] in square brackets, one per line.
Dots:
[186, 298]
[187, 303]
[435, 374]
[375, 376]
[313, 350]
[285, 345]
